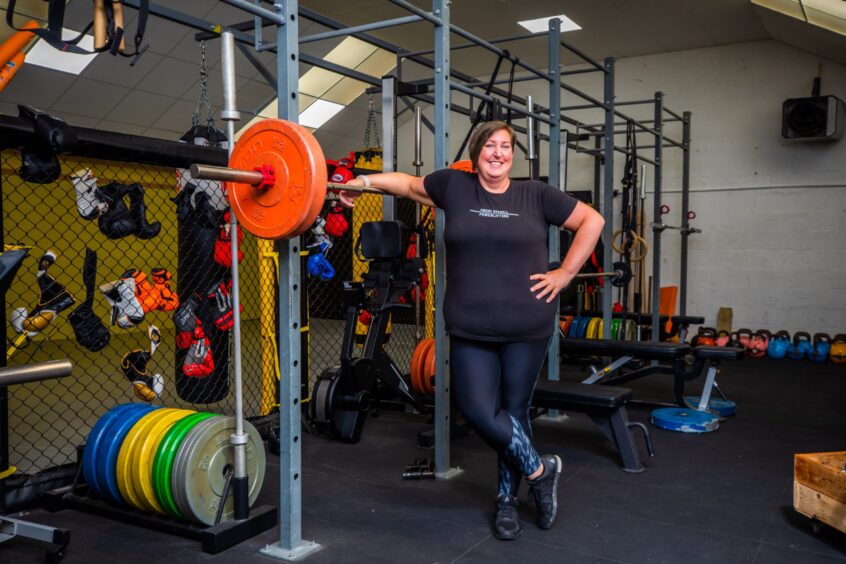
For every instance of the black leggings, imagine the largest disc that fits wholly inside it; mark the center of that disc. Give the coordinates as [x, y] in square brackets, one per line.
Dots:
[491, 380]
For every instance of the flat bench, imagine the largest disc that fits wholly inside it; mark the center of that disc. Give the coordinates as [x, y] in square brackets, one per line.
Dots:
[605, 405]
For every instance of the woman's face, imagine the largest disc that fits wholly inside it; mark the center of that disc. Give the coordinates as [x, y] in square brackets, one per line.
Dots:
[495, 158]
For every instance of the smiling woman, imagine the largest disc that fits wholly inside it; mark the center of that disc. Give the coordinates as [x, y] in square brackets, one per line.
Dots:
[500, 301]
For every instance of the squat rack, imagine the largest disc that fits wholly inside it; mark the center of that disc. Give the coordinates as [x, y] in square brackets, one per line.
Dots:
[284, 16]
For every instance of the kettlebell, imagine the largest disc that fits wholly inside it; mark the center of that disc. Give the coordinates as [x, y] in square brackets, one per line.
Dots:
[778, 344]
[722, 339]
[800, 347]
[704, 337]
[837, 353]
[759, 343]
[822, 347]
[744, 337]
[734, 340]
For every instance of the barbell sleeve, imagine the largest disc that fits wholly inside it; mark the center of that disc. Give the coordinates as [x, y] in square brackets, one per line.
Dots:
[615, 274]
[255, 177]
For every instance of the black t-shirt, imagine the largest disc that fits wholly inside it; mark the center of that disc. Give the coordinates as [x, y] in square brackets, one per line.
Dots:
[494, 242]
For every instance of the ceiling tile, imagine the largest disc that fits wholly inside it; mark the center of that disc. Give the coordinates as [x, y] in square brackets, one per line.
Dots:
[171, 78]
[163, 35]
[120, 127]
[37, 86]
[140, 108]
[196, 9]
[178, 117]
[188, 49]
[253, 96]
[116, 70]
[90, 98]
[79, 121]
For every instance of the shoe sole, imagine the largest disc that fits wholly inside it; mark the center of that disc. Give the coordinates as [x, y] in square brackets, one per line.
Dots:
[559, 466]
[508, 537]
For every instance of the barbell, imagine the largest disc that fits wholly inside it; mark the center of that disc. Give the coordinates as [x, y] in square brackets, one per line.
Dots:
[276, 180]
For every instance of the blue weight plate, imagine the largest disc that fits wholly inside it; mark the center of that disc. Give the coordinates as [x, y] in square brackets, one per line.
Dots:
[723, 408]
[92, 445]
[583, 327]
[685, 420]
[110, 448]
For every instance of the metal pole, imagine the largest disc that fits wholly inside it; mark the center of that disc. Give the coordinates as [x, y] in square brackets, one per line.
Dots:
[389, 146]
[238, 440]
[685, 233]
[531, 150]
[418, 163]
[608, 196]
[442, 103]
[555, 177]
[360, 28]
[290, 545]
[656, 218]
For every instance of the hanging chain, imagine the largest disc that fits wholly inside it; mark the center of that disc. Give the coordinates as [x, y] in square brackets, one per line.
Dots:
[203, 99]
[371, 124]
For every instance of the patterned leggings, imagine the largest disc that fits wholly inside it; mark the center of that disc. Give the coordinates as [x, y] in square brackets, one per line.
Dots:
[492, 385]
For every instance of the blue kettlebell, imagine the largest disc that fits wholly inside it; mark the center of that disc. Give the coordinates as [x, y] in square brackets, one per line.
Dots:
[800, 347]
[822, 346]
[778, 345]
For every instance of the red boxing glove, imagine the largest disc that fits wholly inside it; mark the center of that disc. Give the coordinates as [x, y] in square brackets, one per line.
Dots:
[199, 361]
[336, 223]
[220, 299]
[223, 244]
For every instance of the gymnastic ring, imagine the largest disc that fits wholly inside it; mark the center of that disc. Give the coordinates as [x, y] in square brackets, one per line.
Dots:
[639, 243]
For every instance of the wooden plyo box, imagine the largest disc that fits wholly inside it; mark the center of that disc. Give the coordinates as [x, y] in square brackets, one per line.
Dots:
[819, 487]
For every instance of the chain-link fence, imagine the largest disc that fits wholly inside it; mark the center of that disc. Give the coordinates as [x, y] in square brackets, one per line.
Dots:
[325, 297]
[155, 323]
[128, 275]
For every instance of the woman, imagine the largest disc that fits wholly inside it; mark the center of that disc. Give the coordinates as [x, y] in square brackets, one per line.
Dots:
[500, 305]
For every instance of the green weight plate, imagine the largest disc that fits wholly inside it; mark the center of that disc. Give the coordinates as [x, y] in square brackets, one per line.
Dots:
[163, 462]
[206, 463]
[177, 476]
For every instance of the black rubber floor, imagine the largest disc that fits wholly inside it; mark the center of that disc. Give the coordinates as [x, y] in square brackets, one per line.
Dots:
[721, 497]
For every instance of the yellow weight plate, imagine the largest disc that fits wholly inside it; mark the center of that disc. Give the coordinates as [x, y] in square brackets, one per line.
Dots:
[124, 469]
[600, 329]
[591, 328]
[144, 454]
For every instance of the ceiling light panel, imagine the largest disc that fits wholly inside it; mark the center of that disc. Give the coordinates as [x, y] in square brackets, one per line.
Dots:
[319, 113]
[542, 24]
[45, 55]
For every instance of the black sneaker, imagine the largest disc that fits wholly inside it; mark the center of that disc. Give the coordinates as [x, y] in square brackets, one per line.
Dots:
[507, 523]
[544, 490]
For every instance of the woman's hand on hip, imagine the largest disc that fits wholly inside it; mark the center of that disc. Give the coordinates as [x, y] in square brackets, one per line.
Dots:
[550, 283]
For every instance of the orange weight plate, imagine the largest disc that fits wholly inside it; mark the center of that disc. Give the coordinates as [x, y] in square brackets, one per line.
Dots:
[289, 207]
[429, 371]
[465, 166]
[421, 366]
[415, 366]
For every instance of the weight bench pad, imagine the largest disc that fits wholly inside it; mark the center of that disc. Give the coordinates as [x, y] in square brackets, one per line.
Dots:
[718, 353]
[565, 395]
[636, 349]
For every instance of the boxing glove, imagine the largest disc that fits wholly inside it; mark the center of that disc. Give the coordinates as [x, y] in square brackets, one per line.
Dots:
[220, 300]
[144, 291]
[126, 310]
[185, 320]
[166, 298]
[199, 361]
[90, 206]
[146, 387]
[223, 244]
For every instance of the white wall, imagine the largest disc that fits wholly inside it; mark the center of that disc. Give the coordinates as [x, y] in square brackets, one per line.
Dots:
[773, 213]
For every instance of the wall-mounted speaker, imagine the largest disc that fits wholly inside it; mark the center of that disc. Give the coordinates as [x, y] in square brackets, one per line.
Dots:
[816, 118]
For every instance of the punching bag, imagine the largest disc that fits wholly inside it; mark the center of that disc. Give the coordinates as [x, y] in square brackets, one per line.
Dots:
[200, 207]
